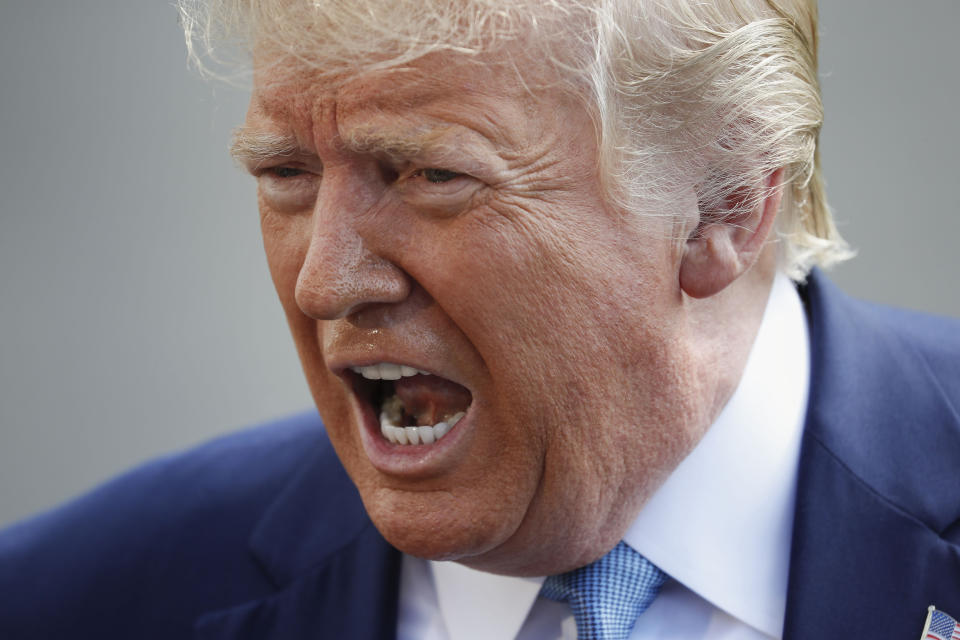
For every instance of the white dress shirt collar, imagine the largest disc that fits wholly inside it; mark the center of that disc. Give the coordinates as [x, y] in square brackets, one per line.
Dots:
[720, 524]
[468, 599]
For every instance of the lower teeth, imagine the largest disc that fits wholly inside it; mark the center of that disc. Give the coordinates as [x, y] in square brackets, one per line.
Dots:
[391, 414]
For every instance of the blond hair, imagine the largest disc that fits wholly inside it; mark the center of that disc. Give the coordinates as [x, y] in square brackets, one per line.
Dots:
[724, 92]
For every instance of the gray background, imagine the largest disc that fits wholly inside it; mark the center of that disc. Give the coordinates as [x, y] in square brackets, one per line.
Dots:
[136, 313]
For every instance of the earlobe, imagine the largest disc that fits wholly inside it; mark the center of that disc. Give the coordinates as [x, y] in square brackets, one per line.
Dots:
[717, 253]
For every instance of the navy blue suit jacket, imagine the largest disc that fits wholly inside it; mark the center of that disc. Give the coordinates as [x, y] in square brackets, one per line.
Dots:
[262, 535]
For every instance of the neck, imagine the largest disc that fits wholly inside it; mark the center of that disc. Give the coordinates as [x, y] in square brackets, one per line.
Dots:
[724, 327]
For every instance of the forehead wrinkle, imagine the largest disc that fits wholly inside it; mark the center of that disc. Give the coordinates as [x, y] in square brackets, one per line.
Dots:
[397, 114]
[476, 101]
[438, 126]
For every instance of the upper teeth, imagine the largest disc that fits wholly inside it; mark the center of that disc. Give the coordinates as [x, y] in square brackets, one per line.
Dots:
[388, 371]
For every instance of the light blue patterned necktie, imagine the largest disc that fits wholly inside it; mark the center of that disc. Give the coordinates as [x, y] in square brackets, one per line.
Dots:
[607, 595]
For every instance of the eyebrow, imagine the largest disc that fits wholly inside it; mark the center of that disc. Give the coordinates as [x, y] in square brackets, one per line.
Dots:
[378, 141]
[252, 148]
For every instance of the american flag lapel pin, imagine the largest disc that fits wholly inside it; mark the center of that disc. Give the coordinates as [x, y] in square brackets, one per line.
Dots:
[940, 626]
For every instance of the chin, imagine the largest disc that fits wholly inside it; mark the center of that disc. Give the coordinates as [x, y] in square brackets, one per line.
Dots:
[435, 525]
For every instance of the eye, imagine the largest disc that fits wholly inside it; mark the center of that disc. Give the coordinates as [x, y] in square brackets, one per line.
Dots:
[437, 176]
[285, 172]
[439, 191]
[288, 187]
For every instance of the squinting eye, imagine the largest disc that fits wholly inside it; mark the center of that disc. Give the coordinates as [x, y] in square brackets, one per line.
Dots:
[437, 176]
[286, 172]
[439, 192]
[288, 187]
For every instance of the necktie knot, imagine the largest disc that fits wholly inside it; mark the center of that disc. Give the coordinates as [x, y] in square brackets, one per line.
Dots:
[607, 595]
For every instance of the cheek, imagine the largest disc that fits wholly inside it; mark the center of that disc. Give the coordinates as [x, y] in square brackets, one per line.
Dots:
[575, 327]
[285, 242]
[548, 297]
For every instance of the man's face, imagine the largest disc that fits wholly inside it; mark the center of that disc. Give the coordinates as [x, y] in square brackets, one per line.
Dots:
[447, 220]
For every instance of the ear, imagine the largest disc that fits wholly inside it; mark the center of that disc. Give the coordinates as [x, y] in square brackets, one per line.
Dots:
[719, 252]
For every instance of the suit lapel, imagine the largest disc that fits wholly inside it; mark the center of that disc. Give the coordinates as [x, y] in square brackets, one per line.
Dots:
[877, 488]
[336, 576]
[859, 566]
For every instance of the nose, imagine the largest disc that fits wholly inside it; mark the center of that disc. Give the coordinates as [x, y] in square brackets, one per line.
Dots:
[341, 274]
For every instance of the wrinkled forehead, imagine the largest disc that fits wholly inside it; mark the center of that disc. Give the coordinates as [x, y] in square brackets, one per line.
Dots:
[286, 88]
[442, 101]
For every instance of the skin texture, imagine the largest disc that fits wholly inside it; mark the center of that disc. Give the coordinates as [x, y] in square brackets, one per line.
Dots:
[592, 372]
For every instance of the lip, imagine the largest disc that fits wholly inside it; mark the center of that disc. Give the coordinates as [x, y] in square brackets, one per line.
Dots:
[409, 461]
[341, 367]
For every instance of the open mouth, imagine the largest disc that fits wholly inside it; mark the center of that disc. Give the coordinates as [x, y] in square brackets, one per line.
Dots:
[415, 407]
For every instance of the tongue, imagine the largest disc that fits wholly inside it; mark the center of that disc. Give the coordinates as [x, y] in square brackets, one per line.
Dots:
[431, 399]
